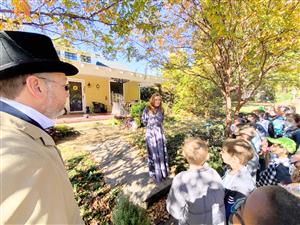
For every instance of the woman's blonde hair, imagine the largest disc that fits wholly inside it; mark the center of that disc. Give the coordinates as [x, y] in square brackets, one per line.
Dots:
[195, 151]
[151, 106]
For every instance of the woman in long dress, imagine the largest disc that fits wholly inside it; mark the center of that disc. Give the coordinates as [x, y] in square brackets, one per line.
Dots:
[153, 117]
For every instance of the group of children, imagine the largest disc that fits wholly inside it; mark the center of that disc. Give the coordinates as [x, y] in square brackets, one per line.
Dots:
[252, 159]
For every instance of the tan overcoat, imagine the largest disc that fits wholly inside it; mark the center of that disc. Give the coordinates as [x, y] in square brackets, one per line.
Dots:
[35, 188]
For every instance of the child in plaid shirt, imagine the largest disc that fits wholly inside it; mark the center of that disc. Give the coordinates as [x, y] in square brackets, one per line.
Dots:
[278, 170]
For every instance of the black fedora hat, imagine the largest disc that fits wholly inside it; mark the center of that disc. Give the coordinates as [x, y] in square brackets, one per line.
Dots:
[27, 53]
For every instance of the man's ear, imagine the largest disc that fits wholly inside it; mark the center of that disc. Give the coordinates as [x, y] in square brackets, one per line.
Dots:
[35, 87]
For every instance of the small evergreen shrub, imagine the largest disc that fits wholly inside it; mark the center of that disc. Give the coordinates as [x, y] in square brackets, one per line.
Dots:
[126, 213]
[60, 132]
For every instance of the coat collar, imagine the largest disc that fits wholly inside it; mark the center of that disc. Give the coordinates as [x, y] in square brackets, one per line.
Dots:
[34, 132]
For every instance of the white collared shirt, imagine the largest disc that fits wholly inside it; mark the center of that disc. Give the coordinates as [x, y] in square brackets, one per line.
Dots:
[43, 120]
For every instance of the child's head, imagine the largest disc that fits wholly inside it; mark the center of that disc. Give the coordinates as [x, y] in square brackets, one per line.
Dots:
[293, 120]
[282, 146]
[295, 159]
[296, 176]
[252, 117]
[236, 151]
[195, 151]
[246, 132]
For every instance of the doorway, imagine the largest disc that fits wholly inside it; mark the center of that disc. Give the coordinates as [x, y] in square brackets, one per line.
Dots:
[76, 101]
[116, 90]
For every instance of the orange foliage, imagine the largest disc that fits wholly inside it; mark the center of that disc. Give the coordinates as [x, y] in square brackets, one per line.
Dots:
[21, 6]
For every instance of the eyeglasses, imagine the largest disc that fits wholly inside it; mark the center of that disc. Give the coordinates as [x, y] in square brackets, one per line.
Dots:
[235, 209]
[66, 86]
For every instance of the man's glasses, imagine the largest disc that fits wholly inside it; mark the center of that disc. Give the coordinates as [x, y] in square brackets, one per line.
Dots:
[66, 86]
[235, 209]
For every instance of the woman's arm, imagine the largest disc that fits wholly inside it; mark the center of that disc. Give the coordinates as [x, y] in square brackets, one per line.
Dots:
[145, 116]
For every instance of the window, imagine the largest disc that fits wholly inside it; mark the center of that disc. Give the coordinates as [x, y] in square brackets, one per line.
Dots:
[71, 56]
[58, 53]
[86, 59]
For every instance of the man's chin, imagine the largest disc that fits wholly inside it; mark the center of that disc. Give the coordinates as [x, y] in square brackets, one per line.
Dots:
[55, 115]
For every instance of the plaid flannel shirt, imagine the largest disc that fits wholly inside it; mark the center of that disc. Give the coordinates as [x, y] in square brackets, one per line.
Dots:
[268, 176]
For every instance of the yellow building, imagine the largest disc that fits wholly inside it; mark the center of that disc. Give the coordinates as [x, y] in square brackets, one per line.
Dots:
[98, 86]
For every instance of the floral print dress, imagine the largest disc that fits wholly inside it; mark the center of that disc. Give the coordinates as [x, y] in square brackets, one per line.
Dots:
[156, 144]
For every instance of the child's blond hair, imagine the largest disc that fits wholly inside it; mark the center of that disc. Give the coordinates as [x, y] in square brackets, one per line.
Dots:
[240, 148]
[195, 151]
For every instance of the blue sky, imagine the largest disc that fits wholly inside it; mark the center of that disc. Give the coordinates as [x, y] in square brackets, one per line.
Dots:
[134, 66]
[120, 63]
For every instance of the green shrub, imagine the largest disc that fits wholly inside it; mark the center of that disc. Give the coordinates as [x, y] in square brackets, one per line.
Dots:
[60, 132]
[212, 132]
[126, 213]
[177, 129]
[136, 111]
[146, 92]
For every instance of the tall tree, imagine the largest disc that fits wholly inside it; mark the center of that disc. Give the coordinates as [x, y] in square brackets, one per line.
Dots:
[190, 93]
[234, 44]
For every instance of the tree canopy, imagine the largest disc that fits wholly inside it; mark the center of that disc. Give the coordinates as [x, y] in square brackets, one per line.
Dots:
[104, 25]
[236, 45]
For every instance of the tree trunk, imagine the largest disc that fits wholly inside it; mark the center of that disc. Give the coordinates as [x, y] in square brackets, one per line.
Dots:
[228, 111]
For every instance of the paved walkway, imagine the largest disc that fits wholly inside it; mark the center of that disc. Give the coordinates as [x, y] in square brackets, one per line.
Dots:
[119, 161]
[122, 165]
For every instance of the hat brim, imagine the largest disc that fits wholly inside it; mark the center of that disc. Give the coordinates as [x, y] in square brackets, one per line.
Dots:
[38, 67]
[273, 140]
[284, 142]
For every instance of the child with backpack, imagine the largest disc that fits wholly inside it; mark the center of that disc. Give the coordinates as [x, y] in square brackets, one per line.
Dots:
[277, 124]
[237, 181]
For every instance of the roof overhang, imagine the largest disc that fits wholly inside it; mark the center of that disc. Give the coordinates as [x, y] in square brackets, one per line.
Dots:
[101, 71]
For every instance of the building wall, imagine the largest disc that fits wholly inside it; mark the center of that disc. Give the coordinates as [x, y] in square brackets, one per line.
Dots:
[131, 91]
[94, 94]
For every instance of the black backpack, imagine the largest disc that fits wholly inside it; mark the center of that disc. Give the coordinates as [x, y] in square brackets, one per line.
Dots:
[283, 174]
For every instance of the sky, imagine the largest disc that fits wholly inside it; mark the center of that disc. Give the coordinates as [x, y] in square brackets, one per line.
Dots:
[133, 66]
[120, 63]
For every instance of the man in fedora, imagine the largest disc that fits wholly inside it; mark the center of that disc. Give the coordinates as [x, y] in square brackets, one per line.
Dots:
[35, 188]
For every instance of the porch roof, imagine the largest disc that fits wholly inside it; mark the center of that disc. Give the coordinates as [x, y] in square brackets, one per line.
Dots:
[86, 69]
